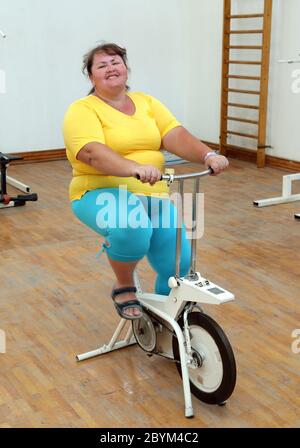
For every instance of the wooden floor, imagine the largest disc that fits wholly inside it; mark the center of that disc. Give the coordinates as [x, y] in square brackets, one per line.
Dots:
[54, 304]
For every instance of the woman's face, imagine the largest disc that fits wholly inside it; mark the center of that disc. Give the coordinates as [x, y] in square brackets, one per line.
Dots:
[109, 73]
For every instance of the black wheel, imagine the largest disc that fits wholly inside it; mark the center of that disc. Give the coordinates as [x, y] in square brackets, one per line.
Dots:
[213, 374]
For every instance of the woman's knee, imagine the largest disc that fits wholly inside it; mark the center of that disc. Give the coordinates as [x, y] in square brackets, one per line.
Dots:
[128, 244]
[164, 261]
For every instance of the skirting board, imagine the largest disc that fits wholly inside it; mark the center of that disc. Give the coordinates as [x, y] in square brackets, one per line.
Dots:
[237, 153]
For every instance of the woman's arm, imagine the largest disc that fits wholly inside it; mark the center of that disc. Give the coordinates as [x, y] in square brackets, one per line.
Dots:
[107, 161]
[182, 143]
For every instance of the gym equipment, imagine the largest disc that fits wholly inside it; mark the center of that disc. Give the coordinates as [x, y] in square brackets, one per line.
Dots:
[287, 195]
[287, 180]
[176, 327]
[238, 42]
[5, 199]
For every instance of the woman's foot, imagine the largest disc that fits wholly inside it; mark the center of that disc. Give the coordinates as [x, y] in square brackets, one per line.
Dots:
[122, 297]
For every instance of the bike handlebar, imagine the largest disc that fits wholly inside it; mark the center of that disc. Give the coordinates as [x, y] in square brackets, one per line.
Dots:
[172, 177]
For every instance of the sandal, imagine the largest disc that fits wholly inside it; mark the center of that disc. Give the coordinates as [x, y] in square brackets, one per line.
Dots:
[121, 307]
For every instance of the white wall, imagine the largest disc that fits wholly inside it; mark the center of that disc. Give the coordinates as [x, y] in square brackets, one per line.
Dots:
[284, 101]
[42, 55]
[174, 49]
[203, 24]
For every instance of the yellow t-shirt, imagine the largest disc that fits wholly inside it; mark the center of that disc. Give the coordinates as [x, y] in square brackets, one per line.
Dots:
[137, 137]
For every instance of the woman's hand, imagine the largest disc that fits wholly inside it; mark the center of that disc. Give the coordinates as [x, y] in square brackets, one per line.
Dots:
[217, 163]
[147, 174]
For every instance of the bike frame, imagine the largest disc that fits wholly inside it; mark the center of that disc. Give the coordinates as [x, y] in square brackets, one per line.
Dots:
[186, 293]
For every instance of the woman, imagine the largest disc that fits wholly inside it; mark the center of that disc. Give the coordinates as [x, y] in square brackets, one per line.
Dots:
[113, 138]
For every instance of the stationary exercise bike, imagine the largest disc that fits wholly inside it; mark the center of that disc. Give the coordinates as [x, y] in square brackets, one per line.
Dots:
[176, 327]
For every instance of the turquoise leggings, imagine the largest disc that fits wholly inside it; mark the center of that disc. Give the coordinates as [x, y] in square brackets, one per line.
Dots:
[135, 226]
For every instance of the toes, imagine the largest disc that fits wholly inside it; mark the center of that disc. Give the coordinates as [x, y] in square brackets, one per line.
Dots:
[130, 312]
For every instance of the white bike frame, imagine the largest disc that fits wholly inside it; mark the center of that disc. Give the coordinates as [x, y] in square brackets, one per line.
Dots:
[193, 288]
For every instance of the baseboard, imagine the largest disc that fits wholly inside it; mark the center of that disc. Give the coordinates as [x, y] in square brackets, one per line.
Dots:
[250, 156]
[40, 156]
[232, 152]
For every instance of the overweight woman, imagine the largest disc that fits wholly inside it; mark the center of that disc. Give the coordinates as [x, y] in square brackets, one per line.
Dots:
[114, 139]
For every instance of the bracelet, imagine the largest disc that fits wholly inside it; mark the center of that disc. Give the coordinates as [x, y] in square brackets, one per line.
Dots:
[209, 154]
